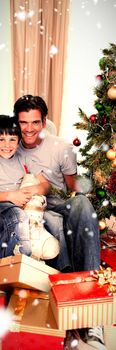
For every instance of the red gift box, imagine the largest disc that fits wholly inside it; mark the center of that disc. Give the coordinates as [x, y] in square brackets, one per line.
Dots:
[109, 239]
[23, 341]
[108, 256]
[34, 325]
[2, 299]
[78, 300]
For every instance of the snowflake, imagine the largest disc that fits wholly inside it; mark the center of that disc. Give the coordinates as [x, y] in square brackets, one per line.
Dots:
[74, 316]
[35, 302]
[5, 321]
[74, 343]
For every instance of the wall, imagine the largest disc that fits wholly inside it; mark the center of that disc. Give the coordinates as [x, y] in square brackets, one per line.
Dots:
[92, 28]
[6, 76]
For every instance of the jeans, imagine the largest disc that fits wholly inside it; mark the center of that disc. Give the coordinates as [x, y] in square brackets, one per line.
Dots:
[14, 230]
[79, 228]
[54, 224]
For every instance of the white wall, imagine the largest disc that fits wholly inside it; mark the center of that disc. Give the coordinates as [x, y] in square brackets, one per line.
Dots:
[92, 28]
[6, 76]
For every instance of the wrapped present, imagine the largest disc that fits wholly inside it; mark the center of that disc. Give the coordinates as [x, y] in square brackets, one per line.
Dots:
[108, 257]
[83, 299]
[26, 272]
[110, 337]
[109, 239]
[34, 325]
[2, 298]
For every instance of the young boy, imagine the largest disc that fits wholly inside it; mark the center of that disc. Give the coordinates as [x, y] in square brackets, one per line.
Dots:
[24, 228]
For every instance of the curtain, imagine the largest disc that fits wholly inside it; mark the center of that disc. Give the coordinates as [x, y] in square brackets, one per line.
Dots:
[39, 44]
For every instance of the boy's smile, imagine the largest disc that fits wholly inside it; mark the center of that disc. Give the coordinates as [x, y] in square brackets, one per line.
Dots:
[8, 145]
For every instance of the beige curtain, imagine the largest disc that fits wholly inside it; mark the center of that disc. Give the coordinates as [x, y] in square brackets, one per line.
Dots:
[38, 28]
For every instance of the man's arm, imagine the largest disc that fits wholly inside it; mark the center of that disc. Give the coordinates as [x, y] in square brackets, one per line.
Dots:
[71, 182]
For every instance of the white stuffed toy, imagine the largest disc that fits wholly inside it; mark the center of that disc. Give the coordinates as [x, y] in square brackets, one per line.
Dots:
[44, 245]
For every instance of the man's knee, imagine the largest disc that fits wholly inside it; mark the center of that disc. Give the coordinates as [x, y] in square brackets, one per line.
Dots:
[81, 203]
[53, 221]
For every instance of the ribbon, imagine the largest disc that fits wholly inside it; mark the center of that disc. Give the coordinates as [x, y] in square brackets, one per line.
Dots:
[107, 276]
[103, 276]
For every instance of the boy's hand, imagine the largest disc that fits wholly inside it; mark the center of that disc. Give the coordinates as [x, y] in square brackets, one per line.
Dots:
[19, 197]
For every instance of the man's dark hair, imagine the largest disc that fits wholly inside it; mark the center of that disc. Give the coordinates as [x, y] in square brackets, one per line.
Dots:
[28, 102]
[9, 126]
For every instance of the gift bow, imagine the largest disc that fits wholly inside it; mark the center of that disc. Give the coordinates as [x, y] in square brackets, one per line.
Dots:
[103, 276]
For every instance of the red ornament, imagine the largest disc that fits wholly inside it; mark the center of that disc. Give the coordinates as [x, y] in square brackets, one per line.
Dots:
[104, 121]
[111, 185]
[93, 118]
[99, 77]
[112, 72]
[76, 142]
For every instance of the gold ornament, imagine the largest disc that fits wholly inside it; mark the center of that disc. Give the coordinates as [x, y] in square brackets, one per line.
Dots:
[112, 92]
[114, 163]
[99, 177]
[102, 225]
[110, 154]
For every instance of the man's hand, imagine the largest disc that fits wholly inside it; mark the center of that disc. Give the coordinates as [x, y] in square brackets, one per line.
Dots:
[30, 190]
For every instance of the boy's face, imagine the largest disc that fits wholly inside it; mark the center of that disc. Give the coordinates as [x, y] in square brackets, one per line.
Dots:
[8, 145]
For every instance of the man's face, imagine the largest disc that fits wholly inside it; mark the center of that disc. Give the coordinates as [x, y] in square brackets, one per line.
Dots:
[31, 126]
[8, 145]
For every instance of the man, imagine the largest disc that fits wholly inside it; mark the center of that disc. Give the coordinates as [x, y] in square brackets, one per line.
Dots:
[57, 161]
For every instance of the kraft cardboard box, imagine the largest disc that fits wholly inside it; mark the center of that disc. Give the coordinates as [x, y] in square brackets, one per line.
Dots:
[34, 325]
[26, 272]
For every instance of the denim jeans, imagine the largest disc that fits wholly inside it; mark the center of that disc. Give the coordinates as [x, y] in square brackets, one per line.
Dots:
[80, 227]
[54, 224]
[14, 229]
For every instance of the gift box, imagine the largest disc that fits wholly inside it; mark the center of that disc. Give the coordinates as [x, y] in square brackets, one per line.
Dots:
[110, 337]
[26, 272]
[108, 257]
[80, 300]
[34, 325]
[2, 298]
[109, 239]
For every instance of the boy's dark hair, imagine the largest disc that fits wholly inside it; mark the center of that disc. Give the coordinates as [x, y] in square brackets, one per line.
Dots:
[9, 126]
[28, 102]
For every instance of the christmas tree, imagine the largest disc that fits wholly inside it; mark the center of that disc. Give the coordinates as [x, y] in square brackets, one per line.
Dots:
[99, 153]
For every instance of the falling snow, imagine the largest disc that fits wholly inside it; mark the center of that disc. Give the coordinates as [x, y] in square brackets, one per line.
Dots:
[94, 215]
[74, 316]
[91, 233]
[35, 302]
[68, 206]
[69, 232]
[4, 245]
[6, 318]
[23, 294]
[83, 184]
[53, 50]
[42, 134]
[105, 202]
[74, 343]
